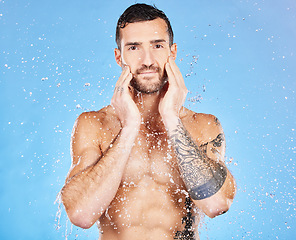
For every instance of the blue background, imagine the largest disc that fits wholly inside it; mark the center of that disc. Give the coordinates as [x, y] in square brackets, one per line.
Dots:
[237, 59]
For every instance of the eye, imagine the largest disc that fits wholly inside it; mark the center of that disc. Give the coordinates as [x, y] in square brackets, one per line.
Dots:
[158, 46]
[132, 48]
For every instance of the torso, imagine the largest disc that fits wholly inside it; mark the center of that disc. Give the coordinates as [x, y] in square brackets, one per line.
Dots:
[151, 200]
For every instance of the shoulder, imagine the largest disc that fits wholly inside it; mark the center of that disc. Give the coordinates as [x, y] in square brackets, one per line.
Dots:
[97, 118]
[96, 123]
[201, 126]
[94, 128]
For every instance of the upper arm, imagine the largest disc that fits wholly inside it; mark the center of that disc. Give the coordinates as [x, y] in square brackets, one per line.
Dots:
[85, 143]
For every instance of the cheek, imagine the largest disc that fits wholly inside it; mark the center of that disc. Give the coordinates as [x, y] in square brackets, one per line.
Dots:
[162, 65]
[163, 59]
[131, 60]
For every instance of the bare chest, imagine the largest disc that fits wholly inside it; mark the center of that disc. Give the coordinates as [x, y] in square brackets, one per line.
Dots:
[153, 156]
[151, 194]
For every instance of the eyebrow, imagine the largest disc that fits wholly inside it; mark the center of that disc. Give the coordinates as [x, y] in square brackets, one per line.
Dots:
[140, 43]
[158, 41]
[132, 43]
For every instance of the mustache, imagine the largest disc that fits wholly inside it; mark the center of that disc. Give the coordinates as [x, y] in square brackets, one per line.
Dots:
[147, 68]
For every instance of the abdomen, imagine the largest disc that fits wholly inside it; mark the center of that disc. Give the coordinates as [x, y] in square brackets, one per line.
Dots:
[146, 208]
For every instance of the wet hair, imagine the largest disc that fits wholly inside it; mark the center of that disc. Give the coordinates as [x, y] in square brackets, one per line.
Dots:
[138, 13]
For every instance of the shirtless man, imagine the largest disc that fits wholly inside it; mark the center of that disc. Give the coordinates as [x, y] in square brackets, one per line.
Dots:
[145, 166]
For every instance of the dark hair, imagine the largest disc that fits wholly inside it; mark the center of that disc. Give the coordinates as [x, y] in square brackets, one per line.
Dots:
[142, 12]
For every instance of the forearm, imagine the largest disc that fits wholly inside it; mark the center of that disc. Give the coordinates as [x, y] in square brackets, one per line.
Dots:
[87, 194]
[203, 177]
[207, 180]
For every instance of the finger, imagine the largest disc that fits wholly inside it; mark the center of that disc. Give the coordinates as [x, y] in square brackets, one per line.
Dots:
[171, 77]
[124, 74]
[177, 73]
[118, 86]
[127, 80]
[175, 68]
[124, 89]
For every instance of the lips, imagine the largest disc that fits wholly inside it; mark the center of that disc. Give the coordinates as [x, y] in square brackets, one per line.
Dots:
[147, 70]
[147, 73]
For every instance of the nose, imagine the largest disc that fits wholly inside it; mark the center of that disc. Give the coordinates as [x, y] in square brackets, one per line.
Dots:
[148, 58]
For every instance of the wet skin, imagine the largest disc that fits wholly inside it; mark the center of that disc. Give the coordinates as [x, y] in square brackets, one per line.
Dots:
[125, 171]
[150, 200]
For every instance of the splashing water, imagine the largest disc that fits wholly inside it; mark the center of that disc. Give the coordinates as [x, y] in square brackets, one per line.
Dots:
[59, 212]
[59, 215]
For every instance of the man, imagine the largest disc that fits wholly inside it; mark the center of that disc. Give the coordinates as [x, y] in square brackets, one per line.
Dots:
[145, 166]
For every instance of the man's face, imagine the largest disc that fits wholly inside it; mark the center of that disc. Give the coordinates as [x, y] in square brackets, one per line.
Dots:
[145, 48]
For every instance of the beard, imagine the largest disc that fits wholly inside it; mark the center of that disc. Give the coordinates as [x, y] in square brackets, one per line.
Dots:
[148, 87]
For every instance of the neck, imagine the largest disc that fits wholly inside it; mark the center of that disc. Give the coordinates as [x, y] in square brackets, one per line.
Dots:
[148, 106]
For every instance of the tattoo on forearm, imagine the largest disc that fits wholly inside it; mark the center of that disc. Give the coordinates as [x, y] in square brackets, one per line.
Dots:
[202, 176]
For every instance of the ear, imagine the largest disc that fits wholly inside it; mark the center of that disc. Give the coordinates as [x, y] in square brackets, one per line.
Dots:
[174, 51]
[118, 56]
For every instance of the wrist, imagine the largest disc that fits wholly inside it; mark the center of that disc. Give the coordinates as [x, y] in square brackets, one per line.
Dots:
[130, 130]
[170, 121]
[132, 124]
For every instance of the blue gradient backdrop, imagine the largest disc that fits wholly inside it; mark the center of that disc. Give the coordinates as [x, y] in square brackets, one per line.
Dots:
[238, 61]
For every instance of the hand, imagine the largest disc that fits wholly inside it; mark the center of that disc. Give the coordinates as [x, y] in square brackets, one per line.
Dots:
[174, 97]
[123, 103]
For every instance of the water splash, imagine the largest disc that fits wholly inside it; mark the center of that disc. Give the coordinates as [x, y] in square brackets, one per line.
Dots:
[58, 216]
[59, 212]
